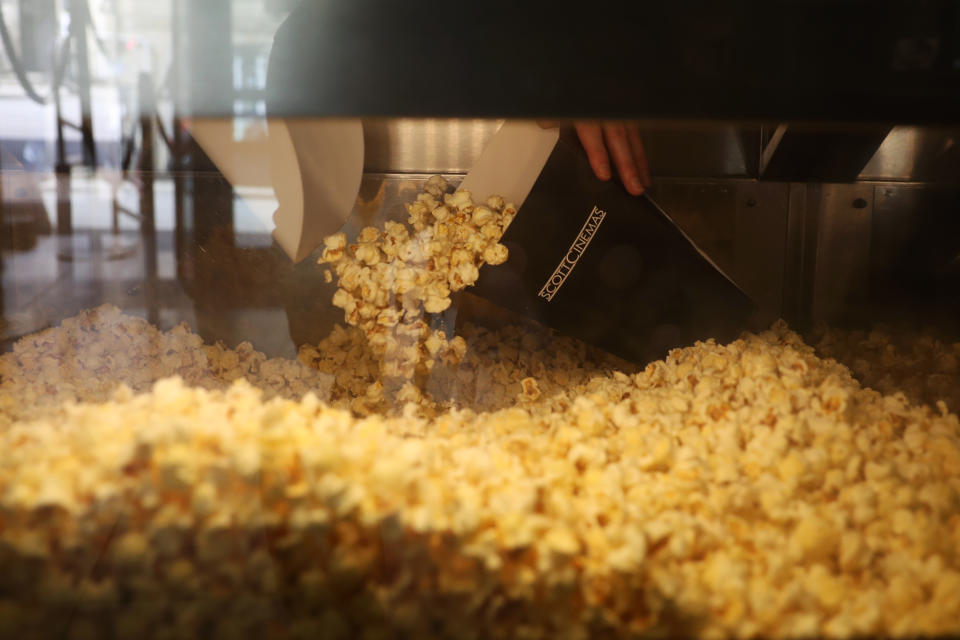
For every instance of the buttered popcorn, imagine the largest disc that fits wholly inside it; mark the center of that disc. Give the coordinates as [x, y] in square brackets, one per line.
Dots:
[920, 365]
[392, 279]
[89, 355]
[741, 490]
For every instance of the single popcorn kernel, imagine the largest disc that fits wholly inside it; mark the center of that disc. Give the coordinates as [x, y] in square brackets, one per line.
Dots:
[336, 241]
[497, 254]
[530, 390]
[481, 216]
[436, 304]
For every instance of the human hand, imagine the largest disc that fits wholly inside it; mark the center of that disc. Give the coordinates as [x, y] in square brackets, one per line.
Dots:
[622, 141]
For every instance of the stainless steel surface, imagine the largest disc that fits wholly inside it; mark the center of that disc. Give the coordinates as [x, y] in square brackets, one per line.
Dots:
[675, 150]
[874, 252]
[803, 152]
[808, 252]
[402, 145]
[800, 252]
[700, 150]
[759, 252]
[770, 145]
[407, 145]
[916, 153]
[843, 249]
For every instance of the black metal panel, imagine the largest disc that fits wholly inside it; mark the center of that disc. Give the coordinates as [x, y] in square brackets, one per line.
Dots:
[840, 60]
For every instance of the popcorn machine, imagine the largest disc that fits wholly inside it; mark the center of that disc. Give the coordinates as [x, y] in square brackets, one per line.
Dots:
[270, 367]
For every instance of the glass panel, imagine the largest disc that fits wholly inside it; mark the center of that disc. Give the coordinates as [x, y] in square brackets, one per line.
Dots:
[201, 437]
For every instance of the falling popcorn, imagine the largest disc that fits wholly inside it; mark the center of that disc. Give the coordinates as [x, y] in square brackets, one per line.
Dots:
[391, 277]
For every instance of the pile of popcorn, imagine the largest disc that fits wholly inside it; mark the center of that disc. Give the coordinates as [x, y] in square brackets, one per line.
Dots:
[890, 359]
[391, 280]
[90, 355]
[533, 490]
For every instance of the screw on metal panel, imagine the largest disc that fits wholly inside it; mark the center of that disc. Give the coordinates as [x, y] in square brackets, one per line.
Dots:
[751, 202]
[859, 203]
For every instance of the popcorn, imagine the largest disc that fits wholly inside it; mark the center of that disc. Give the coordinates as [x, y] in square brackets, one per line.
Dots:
[892, 359]
[532, 487]
[497, 203]
[81, 360]
[481, 216]
[436, 304]
[395, 271]
[530, 390]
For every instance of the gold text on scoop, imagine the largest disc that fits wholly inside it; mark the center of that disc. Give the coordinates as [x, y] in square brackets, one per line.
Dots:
[570, 259]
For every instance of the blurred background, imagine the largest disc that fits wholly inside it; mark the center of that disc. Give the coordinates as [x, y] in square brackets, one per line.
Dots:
[101, 183]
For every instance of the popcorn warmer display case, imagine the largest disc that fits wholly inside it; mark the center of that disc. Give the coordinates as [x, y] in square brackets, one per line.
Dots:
[200, 437]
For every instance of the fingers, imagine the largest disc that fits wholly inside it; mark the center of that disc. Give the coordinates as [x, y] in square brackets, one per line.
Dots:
[615, 134]
[591, 136]
[621, 141]
[639, 153]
